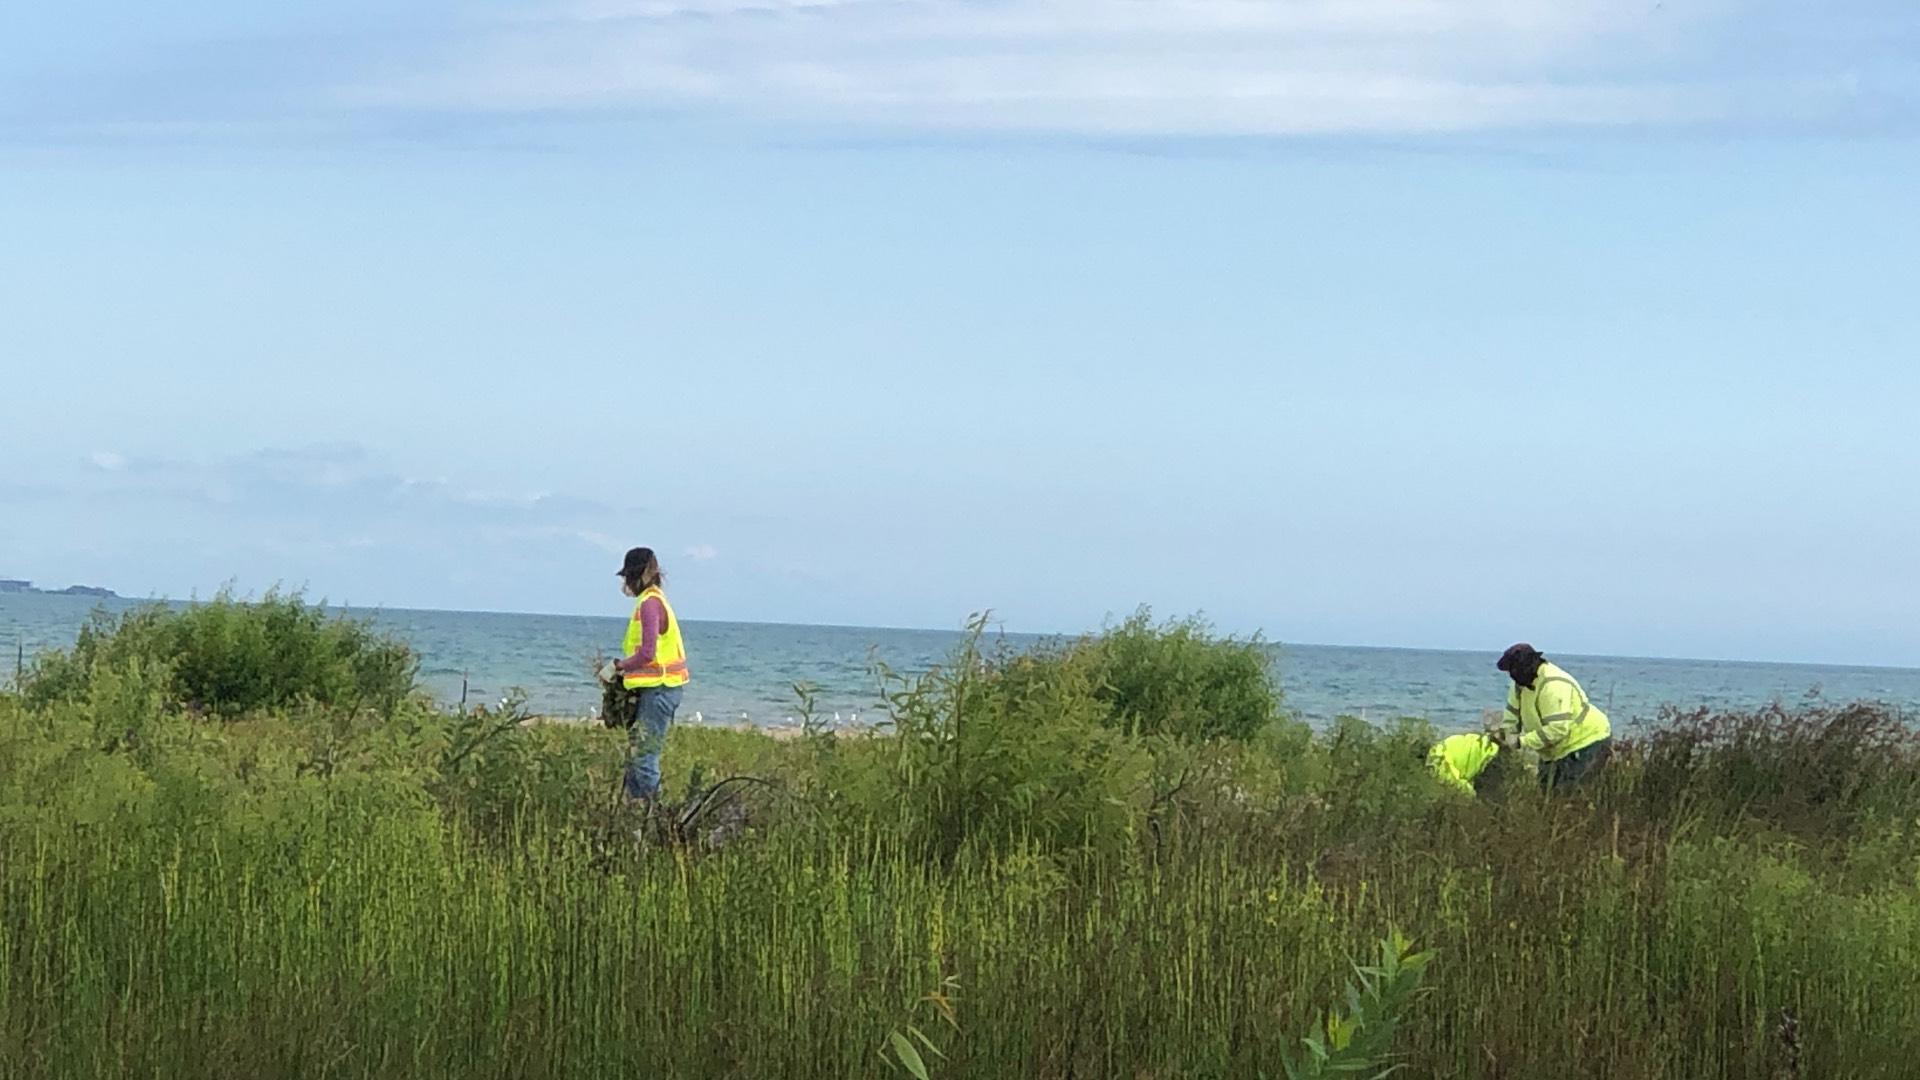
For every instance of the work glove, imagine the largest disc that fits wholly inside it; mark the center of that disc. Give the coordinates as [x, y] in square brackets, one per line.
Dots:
[607, 672]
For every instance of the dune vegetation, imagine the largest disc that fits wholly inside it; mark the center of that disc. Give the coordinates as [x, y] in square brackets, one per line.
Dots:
[235, 840]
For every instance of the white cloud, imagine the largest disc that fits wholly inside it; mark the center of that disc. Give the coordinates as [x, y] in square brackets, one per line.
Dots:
[1081, 67]
[332, 488]
[702, 553]
[1121, 67]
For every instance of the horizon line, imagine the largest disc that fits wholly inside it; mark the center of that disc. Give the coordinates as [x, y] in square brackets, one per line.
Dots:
[347, 605]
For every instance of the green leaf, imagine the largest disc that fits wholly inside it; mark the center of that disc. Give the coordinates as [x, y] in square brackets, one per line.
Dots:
[926, 1042]
[1340, 1031]
[909, 1057]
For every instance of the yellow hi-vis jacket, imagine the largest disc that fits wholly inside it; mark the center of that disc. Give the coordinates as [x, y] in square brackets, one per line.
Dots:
[1458, 759]
[669, 667]
[1554, 716]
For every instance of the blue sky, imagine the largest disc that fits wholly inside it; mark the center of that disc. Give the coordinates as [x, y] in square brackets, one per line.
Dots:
[1386, 321]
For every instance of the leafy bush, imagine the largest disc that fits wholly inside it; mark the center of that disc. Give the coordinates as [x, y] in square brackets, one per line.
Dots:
[1175, 678]
[1180, 679]
[229, 656]
[998, 747]
[1375, 776]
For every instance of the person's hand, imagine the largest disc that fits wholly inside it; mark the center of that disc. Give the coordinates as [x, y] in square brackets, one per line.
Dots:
[607, 671]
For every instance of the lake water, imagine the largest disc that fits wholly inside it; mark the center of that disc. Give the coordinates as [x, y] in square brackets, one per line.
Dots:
[747, 670]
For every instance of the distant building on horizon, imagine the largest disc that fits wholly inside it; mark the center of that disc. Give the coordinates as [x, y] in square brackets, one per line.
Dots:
[15, 585]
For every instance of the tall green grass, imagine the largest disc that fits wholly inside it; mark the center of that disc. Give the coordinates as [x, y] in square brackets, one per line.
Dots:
[347, 890]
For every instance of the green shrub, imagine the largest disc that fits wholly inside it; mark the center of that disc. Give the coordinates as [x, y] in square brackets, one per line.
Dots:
[1175, 678]
[1003, 747]
[1376, 775]
[229, 656]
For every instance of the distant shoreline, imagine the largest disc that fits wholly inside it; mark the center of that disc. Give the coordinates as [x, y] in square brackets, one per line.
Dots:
[17, 587]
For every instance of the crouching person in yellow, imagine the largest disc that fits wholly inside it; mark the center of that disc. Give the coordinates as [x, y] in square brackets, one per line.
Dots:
[1462, 761]
[1549, 714]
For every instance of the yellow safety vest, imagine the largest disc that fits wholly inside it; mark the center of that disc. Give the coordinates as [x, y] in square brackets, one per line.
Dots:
[669, 667]
[1458, 759]
[1554, 716]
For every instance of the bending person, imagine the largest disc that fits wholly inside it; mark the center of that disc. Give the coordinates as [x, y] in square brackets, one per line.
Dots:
[1461, 761]
[1548, 713]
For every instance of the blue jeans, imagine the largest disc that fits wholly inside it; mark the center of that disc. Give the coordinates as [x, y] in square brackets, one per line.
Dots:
[647, 737]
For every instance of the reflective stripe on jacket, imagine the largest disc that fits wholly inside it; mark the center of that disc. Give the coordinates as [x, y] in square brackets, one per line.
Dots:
[1554, 716]
[669, 666]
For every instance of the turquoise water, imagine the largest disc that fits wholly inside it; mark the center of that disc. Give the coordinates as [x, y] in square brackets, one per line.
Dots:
[746, 670]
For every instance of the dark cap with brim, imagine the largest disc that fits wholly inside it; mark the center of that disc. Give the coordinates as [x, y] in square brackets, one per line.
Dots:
[636, 561]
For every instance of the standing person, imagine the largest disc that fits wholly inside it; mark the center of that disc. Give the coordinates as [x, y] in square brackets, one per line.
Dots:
[653, 661]
[1548, 713]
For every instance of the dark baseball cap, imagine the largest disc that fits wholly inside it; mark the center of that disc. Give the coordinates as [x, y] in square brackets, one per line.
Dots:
[637, 560]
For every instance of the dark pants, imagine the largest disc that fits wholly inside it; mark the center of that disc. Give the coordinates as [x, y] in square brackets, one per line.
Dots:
[652, 715]
[1580, 765]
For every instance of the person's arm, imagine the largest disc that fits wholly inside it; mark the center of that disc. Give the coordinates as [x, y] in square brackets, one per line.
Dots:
[651, 614]
[1504, 728]
[1558, 705]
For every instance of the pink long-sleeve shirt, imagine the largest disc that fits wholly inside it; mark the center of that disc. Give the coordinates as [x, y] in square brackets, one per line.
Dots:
[653, 620]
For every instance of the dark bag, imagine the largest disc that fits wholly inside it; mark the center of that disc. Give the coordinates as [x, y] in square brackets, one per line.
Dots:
[618, 704]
